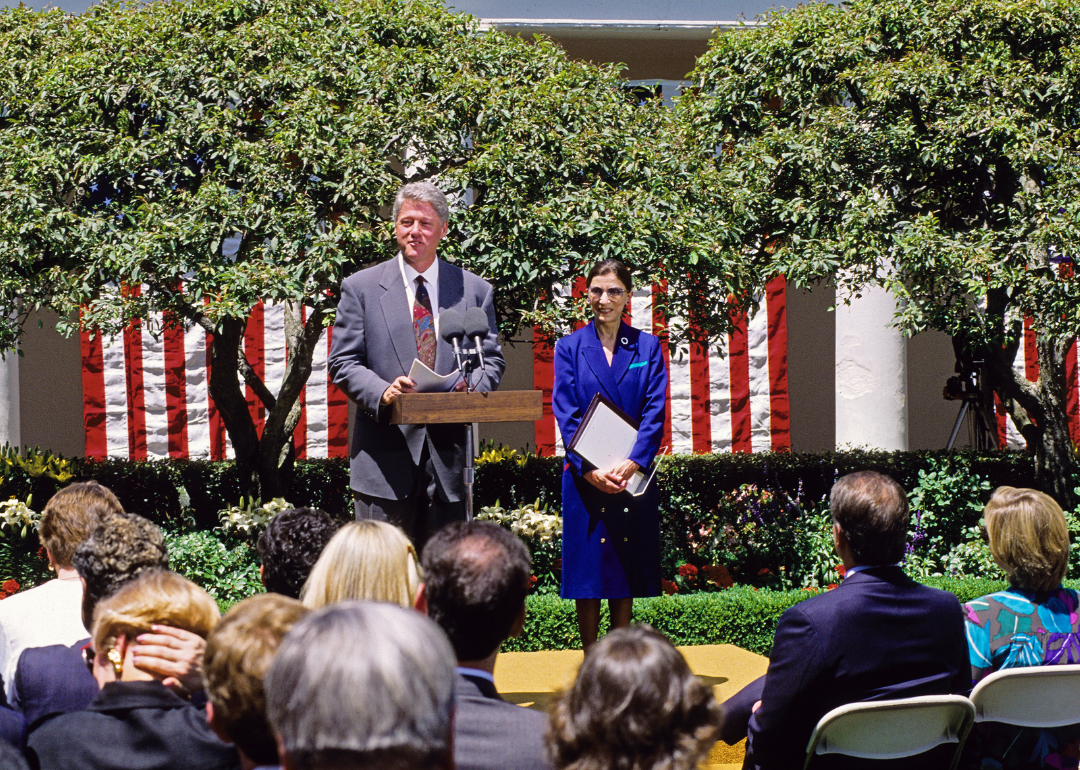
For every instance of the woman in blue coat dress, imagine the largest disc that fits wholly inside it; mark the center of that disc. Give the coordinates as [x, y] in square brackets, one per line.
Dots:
[611, 539]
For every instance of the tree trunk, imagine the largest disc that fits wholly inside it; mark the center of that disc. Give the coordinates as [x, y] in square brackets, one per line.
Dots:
[263, 462]
[1038, 410]
[276, 449]
[225, 362]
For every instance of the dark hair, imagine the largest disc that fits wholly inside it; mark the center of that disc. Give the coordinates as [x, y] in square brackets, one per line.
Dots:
[289, 547]
[634, 705]
[120, 549]
[872, 511]
[71, 515]
[609, 267]
[476, 576]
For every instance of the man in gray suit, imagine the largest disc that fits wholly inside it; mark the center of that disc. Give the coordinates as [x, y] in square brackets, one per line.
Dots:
[477, 575]
[388, 315]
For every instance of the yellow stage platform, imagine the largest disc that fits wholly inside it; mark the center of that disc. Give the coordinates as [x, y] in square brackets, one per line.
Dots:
[531, 678]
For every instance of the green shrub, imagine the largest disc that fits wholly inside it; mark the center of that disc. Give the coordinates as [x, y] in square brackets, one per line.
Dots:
[228, 571]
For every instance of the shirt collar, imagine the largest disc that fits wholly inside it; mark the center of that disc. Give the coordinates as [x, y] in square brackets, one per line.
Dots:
[863, 567]
[476, 673]
[409, 273]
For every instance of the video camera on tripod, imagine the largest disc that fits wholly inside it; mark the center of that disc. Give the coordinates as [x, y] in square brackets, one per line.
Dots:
[968, 387]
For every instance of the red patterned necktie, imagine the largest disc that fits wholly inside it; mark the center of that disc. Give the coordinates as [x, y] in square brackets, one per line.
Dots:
[424, 325]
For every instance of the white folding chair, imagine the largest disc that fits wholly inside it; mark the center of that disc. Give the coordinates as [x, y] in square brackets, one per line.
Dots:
[890, 729]
[1036, 696]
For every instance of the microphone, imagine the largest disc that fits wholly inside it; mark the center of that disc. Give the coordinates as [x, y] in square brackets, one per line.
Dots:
[452, 329]
[476, 329]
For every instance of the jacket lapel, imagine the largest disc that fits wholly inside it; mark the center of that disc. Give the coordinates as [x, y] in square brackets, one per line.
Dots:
[398, 321]
[593, 352]
[626, 352]
[451, 297]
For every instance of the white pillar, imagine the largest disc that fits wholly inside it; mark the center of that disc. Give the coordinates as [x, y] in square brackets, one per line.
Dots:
[9, 399]
[871, 374]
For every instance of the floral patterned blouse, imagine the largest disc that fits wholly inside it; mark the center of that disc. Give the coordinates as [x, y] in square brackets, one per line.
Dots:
[1015, 628]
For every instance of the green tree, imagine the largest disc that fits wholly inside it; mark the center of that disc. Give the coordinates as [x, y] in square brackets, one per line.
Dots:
[929, 146]
[136, 139]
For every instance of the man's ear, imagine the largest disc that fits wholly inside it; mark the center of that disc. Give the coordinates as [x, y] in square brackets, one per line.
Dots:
[519, 623]
[262, 574]
[215, 724]
[420, 602]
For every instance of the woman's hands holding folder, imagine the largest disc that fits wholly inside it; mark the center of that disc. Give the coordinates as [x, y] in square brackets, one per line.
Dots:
[613, 480]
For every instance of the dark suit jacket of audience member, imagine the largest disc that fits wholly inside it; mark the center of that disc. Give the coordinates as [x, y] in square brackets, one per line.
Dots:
[492, 734]
[879, 635]
[130, 725]
[52, 680]
[12, 723]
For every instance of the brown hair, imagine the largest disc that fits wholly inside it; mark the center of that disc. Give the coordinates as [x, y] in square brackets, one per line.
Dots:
[635, 705]
[155, 597]
[611, 267]
[238, 654]
[872, 511]
[1029, 538]
[71, 515]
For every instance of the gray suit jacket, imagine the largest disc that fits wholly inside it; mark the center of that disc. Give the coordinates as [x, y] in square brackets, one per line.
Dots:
[491, 734]
[373, 343]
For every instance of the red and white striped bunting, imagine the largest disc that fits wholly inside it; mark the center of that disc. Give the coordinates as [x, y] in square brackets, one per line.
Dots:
[147, 397]
[737, 403]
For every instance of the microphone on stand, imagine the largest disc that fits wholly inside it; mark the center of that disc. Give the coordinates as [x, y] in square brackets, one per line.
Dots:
[476, 329]
[452, 329]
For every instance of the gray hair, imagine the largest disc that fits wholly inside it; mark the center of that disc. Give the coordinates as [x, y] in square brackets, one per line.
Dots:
[363, 677]
[425, 192]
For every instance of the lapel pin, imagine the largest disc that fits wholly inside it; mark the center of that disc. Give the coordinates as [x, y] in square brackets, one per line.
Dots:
[624, 341]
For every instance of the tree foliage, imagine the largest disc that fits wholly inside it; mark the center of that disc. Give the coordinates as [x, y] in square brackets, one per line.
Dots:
[136, 141]
[929, 146]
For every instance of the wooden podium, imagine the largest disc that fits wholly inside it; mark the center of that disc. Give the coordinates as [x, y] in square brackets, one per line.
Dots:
[467, 408]
[498, 406]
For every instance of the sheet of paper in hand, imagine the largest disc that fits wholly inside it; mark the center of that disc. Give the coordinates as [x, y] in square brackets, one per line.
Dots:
[428, 382]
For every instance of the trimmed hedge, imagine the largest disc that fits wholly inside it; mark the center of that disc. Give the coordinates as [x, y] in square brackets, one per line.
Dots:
[152, 488]
[740, 616]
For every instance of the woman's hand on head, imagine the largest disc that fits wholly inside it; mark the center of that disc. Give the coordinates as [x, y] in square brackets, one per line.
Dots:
[174, 655]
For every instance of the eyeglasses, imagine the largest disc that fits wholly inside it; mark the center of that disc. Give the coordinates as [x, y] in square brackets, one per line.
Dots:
[615, 293]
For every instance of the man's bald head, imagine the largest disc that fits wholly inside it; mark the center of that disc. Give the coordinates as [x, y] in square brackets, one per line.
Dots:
[477, 575]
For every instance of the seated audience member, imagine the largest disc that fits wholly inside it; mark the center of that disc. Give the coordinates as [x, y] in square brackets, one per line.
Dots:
[1032, 623]
[880, 635]
[289, 547]
[363, 686]
[238, 654]
[135, 721]
[11, 758]
[55, 678]
[476, 578]
[366, 559]
[49, 613]
[635, 704]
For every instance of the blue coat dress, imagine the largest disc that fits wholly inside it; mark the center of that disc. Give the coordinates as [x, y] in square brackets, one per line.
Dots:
[611, 543]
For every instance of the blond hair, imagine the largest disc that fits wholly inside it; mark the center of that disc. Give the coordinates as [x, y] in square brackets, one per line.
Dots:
[365, 560]
[71, 515]
[155, 597]
[1029, 538]
[238, 654]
